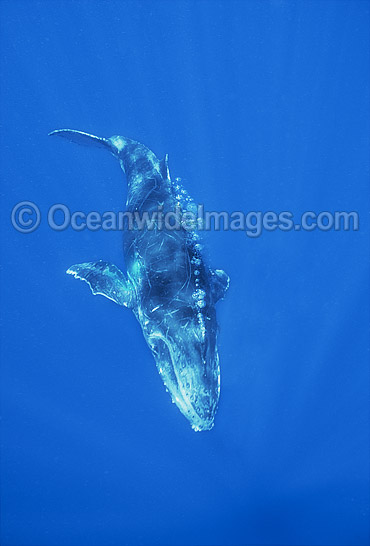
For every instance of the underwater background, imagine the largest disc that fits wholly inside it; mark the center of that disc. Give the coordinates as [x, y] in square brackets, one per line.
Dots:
[261, 106]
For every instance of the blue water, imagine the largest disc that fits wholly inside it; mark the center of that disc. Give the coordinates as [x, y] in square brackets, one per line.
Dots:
[262, 106]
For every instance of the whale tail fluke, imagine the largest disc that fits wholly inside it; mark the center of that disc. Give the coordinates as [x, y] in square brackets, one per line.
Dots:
[84, 139]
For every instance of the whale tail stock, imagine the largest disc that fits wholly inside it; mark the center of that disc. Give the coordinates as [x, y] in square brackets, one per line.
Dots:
[116, 145]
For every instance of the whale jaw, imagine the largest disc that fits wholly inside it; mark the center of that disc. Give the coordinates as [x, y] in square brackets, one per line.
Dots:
[192, 380]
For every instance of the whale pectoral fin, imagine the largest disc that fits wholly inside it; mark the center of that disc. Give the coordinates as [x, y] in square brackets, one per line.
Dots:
[105, 279]
[220, 284]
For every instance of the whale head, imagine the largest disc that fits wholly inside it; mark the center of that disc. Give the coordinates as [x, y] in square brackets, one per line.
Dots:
[187, 360]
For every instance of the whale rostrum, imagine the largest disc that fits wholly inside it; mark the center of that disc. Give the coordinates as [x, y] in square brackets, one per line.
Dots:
[167, 284]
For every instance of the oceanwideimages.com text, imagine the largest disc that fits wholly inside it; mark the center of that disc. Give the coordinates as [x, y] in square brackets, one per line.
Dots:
[26, 217]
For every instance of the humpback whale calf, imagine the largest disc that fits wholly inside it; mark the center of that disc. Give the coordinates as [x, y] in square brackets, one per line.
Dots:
[168, 286]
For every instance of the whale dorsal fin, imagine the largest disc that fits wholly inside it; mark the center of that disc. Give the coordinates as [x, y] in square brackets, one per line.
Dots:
[105, 279]
[165, 172]
[220, 284]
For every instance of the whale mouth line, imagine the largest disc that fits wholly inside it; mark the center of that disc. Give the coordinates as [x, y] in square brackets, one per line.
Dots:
[173, 383]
